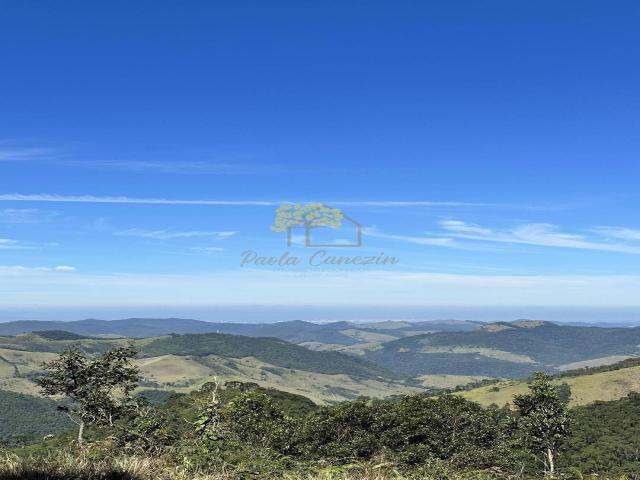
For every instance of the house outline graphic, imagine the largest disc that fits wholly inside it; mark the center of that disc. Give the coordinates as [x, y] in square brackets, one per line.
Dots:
[308, 237]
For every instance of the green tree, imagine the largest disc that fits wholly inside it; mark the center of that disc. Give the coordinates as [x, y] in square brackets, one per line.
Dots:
[98, 391]
[564, 393]
[145, 430]
[344, 432]
[447, 427]
[253, 418]
[542, 420]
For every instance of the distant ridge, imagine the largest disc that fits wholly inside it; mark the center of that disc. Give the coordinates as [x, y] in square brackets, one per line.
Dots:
[506, 349]
[296, 331]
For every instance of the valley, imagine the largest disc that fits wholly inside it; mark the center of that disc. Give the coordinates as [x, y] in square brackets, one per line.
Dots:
[336, 361]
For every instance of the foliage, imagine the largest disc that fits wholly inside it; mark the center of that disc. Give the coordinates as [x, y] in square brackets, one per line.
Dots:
[419, 428]
[145, 430]
[412, 430]
[98, 391]
[58, 335]
[564, 393]
[24, 418]
[346, 432]
[243, 431]
[605, 438]
[543, 419]
[253, 418]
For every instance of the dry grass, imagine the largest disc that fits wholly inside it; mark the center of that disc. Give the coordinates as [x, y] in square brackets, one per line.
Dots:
[585, 389]
[65, 466]
[69, 466]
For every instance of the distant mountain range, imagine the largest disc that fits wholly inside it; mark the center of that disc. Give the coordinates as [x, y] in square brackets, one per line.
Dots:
[432, 354]
[297, 331]
[507, 349]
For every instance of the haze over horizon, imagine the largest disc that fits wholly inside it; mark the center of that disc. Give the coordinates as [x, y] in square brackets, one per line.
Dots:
[322, 314]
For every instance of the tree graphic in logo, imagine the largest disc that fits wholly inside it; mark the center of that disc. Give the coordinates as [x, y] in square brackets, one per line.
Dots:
[310, 216]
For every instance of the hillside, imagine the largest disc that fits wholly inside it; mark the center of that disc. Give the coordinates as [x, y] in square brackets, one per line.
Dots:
[184, 362]
[605, 438]
[601, 384]
[24, 418]
[274, 351]
[329, 372]
[511, 350]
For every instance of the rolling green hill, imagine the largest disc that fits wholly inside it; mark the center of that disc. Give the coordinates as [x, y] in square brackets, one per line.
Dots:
[184, 362]
[587, 385]
[269, 350]
[376, 368]
[24, 418]
[511, 350]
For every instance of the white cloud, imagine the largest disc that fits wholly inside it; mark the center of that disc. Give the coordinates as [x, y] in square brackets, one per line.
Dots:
[18, 154]
[207, 249]
[171, 167]
[170, 234]
[622, 233]
[44, 197]
[6, 244]
[65, 268]
[539, 234]
[434, 241]
[25, 215]
[20, 269]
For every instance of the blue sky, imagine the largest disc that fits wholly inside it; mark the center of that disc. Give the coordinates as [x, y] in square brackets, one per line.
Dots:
[491, 147]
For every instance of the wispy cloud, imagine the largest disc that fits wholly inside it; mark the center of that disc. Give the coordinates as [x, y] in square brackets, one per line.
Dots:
[65, 268]
[19, 154]
[622, 233]
[411, 203]
[25, 215]
[44, 197]
[171, 167]
[538, 234]
[20, 269]
[172, 234]
[207, 249]
[11, 152]
[434, 241]
[7, 244]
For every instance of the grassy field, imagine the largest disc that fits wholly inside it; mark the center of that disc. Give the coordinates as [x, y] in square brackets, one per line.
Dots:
[596, 362]
[585, 389]
[448, 381]
[184, 373]
[485, 352]
[359, 349]
[368, 337]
